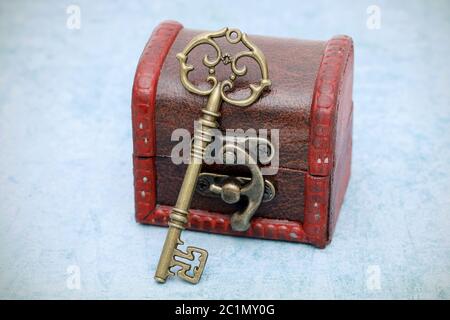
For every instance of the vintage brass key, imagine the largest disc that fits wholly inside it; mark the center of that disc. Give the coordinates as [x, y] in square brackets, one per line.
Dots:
[171, 255]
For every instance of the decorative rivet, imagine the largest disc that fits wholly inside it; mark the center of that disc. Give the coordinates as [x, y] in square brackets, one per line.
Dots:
[268, 193]
[141, 126]
[203, 184]
[144, 179]
[145, 140]
[226, 58]
[143, 194]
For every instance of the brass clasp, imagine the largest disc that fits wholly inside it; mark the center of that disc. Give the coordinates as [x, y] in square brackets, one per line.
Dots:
[230, 188]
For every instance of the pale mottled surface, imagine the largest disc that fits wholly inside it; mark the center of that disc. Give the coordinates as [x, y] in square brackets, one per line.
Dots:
[66, 194]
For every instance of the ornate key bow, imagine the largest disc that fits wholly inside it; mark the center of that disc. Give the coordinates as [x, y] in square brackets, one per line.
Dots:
[171, 255]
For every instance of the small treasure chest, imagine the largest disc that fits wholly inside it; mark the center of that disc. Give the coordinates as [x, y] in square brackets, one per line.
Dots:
[300, 119]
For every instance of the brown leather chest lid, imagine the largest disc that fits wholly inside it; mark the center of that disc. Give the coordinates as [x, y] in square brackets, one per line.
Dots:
[293, 65]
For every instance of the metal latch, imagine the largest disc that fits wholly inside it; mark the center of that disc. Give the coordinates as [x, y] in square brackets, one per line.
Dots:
[231, 188]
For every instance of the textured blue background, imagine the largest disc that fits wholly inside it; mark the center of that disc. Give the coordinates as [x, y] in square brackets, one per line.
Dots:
[66, 194]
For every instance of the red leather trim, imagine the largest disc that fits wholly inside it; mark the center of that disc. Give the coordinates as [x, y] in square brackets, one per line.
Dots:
[145, 84]
[144, 187]
[143, 115]
[324, 105]
[322, 137]
[317, 196]
[220, 223]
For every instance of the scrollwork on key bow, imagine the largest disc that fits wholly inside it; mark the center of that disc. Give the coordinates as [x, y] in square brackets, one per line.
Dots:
[233, 36]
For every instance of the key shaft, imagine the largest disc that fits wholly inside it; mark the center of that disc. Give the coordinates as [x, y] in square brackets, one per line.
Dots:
[179, 214]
